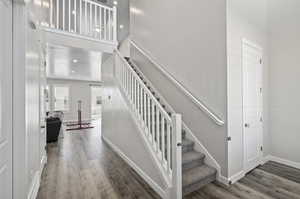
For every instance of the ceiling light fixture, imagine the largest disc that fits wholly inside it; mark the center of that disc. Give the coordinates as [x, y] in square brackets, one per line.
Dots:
[115, 3]
[75, 60]
[121, 26]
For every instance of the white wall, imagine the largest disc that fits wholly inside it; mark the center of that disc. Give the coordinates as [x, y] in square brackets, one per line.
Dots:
[284, 31]
[122, 17]
[245, 20]
[78, 90]
[26, 121]
[189, 40]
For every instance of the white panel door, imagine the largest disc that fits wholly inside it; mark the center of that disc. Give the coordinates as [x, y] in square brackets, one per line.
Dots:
[5, 99]
[252, 105]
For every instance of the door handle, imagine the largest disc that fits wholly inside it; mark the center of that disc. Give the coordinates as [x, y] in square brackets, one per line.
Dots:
[247, 125]
[43, 126]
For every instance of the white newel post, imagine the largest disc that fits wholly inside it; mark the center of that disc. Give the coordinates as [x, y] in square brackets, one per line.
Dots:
[115, 23]
[176, 190]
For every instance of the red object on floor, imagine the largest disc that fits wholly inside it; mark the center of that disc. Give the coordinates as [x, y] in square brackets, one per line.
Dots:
[79, 125]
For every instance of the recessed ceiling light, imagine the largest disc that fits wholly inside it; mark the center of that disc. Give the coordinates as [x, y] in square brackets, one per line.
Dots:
[73, 71]
[73, 12]
[75, 60]
[121, 26]
[115, 3]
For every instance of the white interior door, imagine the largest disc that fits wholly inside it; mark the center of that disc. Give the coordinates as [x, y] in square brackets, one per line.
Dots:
[5, 99]
[252, 105]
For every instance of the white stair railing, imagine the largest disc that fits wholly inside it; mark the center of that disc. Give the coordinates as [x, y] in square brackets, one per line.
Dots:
[162, 132]
[82, 17]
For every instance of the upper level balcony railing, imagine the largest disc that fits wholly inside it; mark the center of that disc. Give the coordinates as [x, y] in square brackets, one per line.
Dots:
[81, 17]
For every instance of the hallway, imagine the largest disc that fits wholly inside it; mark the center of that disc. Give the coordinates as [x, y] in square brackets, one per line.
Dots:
[82, 166]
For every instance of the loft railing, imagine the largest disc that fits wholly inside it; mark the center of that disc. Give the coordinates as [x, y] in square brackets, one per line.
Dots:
[82, 17]
[161, 131]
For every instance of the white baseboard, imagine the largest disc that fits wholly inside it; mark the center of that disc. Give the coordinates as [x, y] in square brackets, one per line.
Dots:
[153, 184]
[223, 179]
[236, 177]
[282, 161]
[32, 194]
[265, 159]
[43, 163]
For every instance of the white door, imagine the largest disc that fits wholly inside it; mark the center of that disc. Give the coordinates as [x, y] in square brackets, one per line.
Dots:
[252, 105]
[5, 99]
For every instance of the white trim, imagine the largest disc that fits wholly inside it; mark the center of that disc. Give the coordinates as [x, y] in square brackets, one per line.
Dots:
[222, 179]
[179, 85]
[53, 30]
[62, 38]
[52, 77]
[236, 177]
[33, 191]
[265, 159]
[153, 184]
[43, 163]
[282, 161]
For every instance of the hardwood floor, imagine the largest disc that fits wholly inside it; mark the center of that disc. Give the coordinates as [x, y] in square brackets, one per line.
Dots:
[82, 166]
[270, 181]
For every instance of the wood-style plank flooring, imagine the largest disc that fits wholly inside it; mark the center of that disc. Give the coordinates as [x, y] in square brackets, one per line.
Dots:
[270, 181]
[82, 166]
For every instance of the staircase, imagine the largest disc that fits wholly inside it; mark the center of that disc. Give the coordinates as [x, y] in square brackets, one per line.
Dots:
[194, 173]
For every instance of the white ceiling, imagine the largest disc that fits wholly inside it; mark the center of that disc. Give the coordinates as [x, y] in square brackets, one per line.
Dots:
[73, 63]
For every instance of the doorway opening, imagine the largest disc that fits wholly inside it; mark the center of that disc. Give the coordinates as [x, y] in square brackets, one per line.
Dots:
[96, 101]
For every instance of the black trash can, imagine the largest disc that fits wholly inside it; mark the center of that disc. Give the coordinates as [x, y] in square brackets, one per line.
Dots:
[53, 128]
